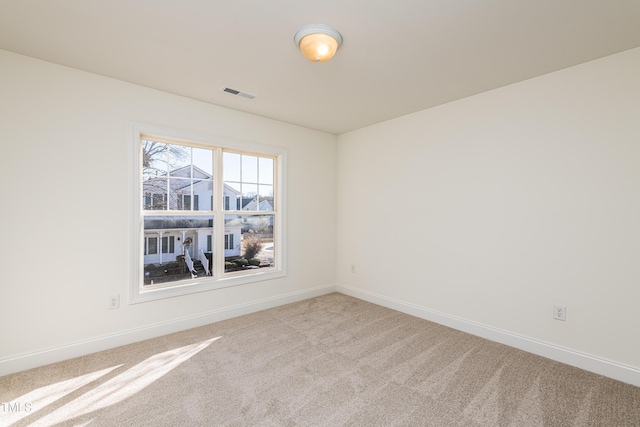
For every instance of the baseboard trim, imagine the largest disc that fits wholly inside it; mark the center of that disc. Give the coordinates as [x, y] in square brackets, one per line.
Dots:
[59, 353]
[607, 368]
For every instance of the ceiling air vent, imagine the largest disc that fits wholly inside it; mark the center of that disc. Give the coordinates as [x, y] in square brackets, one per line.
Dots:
[237, 92]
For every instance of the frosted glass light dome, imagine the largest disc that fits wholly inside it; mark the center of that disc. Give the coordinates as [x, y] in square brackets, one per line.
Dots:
[318, 42]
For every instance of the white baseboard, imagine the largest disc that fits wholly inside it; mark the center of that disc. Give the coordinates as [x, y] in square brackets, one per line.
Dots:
[56, 354]
[607, 368]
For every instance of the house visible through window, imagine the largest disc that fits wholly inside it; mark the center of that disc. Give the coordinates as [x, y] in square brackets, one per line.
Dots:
[210, 244]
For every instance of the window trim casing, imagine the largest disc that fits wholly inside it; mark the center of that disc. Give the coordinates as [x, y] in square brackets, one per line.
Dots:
[136, 293]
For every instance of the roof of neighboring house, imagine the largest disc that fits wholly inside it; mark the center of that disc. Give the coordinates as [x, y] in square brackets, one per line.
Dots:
[159, 183]
[169, 223]
[266, 204]
[233, 223]
[166, 223]
[229, 189]
[185, 172]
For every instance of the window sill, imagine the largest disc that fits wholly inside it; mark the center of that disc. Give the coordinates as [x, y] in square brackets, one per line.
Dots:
[202, 284]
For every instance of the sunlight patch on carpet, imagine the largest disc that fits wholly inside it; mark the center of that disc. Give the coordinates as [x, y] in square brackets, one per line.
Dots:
[125, 384]
[43, 396]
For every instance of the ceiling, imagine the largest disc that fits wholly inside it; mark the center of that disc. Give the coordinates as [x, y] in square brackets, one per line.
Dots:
[398, 56]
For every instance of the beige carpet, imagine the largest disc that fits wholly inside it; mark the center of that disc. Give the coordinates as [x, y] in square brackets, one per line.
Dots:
[327, 361]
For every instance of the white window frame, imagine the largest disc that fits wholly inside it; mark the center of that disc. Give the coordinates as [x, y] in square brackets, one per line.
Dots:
[137, 292]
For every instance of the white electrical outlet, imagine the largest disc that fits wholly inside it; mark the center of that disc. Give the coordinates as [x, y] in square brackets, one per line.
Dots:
[114, 302]
[559, 312]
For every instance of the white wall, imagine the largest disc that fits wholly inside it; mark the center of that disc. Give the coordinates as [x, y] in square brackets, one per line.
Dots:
[513, 200]
[65, 208]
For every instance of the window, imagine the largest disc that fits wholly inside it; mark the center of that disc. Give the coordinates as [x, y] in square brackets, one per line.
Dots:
[184, 202]
[234, 237]
[152, 245]
[168, 244]
[228, 242]
[155, 201]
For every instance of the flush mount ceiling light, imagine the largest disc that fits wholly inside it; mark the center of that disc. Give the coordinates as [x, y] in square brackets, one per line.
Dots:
[318, 42]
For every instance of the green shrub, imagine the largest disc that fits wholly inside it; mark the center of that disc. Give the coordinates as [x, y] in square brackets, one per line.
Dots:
[241, 262]
[254, 261]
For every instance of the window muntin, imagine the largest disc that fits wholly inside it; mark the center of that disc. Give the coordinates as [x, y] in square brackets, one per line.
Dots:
[251, 178]
[174, 183]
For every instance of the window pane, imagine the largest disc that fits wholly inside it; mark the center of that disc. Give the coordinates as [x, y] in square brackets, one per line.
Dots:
[179, 160]
[232, 192]
[232, 231]
[249, 242]
[154, 193]
[185, 250]
[231, 167]
[158, 201]
[179, 189]
[265, 166]
[249, 193]
[265, 196]
[255, 177]
[154, 159]
[203, 160]
[203, 193]
[249, 168]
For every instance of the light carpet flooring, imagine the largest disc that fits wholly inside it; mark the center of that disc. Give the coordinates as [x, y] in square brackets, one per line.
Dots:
[328, 361]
